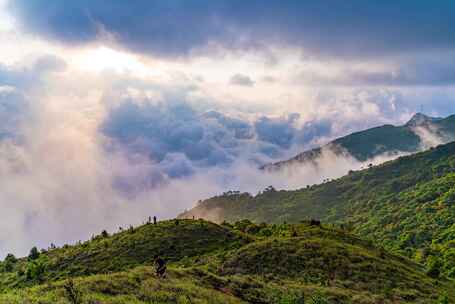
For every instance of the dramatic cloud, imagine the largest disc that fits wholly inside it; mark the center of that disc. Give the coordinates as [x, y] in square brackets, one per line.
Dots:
[180, 137]
[164, 130]
[177, 27]
[144, 107]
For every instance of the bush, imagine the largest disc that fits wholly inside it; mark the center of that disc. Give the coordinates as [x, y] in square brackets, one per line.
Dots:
[35, 271]
[72, 293]
[443, 299]
[243, 225]
[434, 265]
[266, 232]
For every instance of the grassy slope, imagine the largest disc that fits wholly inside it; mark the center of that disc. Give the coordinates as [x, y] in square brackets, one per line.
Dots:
[130, 248]
[407, 205]
[264, 265]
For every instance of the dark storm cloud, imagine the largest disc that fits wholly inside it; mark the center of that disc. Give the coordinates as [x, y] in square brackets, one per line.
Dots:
[176, 27]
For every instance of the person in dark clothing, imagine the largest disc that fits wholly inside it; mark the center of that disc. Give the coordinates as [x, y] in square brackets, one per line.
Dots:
[160, 267]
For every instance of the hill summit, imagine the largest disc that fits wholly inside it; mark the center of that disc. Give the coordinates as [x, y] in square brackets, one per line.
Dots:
[420, 119]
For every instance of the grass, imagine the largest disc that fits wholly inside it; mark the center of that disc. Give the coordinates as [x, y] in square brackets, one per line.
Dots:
[209, 263]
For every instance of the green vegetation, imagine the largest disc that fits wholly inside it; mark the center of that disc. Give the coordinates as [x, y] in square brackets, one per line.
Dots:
[372, 142]
[121, 251]
[209, 263]
[406, 205]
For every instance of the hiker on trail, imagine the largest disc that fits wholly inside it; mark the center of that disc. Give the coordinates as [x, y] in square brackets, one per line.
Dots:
[160, 267]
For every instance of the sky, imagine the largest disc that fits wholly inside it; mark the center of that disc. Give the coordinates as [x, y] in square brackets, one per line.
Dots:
[114, 111]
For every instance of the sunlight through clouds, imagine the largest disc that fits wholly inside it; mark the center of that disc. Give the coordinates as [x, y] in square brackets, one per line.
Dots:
[103, 58]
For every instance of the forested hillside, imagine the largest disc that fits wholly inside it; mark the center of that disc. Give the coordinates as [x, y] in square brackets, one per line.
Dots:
[406, 205]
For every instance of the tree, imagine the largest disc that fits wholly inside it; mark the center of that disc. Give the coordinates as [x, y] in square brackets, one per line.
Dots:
[34, 254]
[9, 262]
[104, 234]
[10, 258]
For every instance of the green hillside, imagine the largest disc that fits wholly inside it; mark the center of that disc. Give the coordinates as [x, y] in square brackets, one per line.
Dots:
[373, 142]
[209, 263]
[406, 205]
[127, 249]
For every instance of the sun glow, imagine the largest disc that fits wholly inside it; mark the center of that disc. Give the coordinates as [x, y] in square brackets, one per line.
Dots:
[104, 58]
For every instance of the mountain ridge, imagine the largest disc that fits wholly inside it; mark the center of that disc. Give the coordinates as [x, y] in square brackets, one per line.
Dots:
[376, 141]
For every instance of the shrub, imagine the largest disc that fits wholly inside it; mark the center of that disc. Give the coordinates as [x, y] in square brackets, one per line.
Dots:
[434, 266]
[35, 271]
[266, 232]
[72, 293]
[443, 299]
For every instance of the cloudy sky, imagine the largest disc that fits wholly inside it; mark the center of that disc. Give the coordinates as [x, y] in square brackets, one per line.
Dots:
[115, 110]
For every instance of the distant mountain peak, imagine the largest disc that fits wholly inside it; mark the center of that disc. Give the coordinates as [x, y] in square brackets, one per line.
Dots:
[385, 139]
[419, 119]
